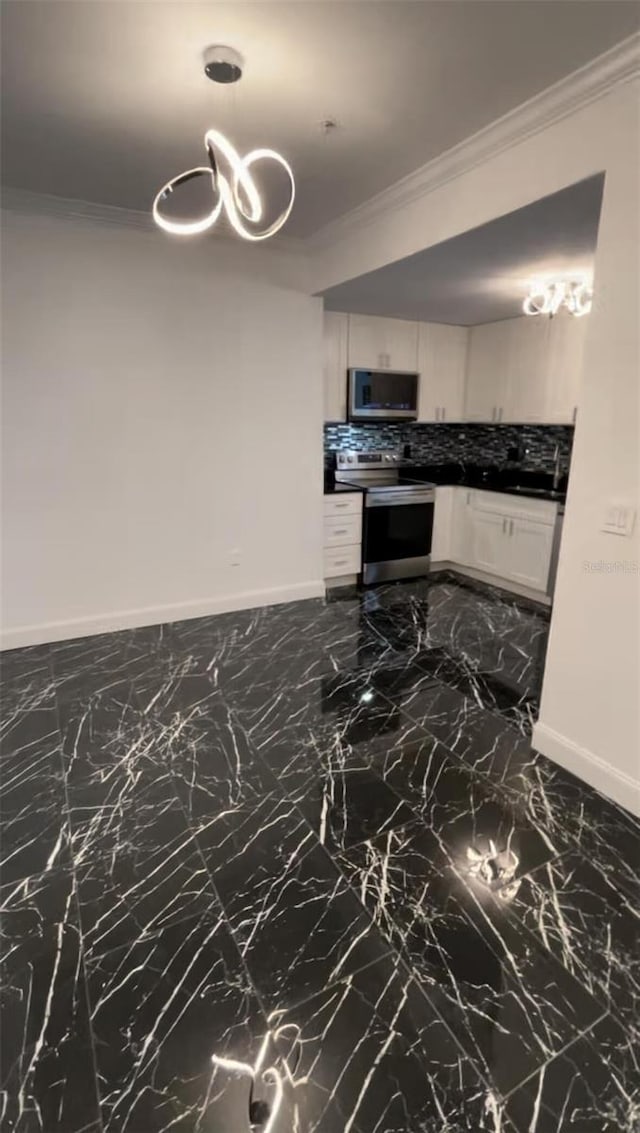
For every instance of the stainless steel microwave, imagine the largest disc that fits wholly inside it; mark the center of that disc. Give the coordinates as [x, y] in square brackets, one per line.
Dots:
[382, 395]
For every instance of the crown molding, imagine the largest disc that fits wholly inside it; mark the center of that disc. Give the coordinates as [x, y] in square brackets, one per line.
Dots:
[44, 204]
[27, 203]
[617, 66]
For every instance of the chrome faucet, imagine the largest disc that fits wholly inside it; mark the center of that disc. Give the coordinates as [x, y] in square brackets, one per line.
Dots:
[556, 468]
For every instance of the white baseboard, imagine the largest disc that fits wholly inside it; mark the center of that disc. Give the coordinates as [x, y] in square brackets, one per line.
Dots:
[616, 785]
[155, 615]
[493, 580]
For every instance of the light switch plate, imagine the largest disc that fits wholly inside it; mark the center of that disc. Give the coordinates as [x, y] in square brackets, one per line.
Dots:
[619, 519]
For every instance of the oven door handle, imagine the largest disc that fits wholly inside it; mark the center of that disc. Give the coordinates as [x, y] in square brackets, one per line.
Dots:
[387, 499]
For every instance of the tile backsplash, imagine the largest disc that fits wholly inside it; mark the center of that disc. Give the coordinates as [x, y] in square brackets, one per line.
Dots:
[466, 443]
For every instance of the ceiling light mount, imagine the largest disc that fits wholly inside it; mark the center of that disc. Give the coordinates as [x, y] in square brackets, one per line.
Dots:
[223, 64]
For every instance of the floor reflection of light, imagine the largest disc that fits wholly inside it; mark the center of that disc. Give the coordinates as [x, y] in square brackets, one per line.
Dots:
[367, 696]
[265, 1114]
[496, 869]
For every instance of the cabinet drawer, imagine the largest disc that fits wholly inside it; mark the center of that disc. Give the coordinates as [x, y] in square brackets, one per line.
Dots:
[342, 560]
[342, 503]
[343, 531]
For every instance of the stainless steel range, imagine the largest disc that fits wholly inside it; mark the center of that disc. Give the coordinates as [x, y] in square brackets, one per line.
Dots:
[398, 514]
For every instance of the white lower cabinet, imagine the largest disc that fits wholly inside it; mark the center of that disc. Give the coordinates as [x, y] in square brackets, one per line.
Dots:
[342, 534]
[529, 553]
[489, 547]
[442, 525]
[461, 527]
[511, 538]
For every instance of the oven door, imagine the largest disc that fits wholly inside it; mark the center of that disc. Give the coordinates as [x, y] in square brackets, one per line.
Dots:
[397, 535]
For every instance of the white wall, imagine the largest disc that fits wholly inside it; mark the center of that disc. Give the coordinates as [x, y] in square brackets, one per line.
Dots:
[151, 390]
[589, 718]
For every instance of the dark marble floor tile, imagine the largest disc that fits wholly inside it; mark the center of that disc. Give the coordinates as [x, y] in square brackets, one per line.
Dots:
[48, 1079]
[24, 734]
[109, 749]
[89, 665]
[511, 1006]
[481, 738]
[138, 869]
[591, 926]
[375, 1056]
[160, 1008]
[602, 831]
[592, 1087]
[270, 631]
[345, 807]
[460, 810]
[34, 835]
[296, 922]
[493, 691]
[342, 709]
[30, 759]
[199, 741]
[26, 681]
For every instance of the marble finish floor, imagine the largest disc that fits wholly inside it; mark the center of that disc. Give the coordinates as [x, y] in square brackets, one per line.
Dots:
[298, 870]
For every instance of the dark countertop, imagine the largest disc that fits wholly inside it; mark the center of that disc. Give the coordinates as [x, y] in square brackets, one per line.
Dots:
[510, 480]
[331, 487]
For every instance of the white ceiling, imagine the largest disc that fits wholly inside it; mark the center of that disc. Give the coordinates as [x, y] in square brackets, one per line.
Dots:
[104, 100]
[483, 275]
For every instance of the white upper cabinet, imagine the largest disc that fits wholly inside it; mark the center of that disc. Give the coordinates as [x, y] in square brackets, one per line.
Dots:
[442, 363]
[564, 366]
[383, 344]
[525, 370]
[336, 332]
[527, 357]
[487, 362]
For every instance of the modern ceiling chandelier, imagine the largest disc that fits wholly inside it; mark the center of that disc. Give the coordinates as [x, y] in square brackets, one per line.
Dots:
[548, 298]
[232, 184]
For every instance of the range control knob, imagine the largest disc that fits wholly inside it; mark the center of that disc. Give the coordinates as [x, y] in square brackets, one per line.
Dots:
[350, 459]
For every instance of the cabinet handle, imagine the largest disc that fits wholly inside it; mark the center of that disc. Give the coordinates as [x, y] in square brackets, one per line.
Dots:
[575, 414]
[444, 414]
[339, 506]
[468, 499]
[511, 527]
[493, 413]
[437, 414]
[339, 562]
[503, 525]
[339, 531]
[500, 414]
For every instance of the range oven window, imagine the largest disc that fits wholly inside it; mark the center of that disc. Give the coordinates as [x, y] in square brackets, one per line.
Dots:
[381, 393]
[397, 532]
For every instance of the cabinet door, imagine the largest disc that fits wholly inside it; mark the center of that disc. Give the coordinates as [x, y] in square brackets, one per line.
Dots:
[335, 366]
[382, 344]
[400, 344]
[366, 342]
[488, 542]
[528, 552]
[461, 530]
[565, 357]
[442, 360]
[527, 359]
[441, 546]
[486, 371]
